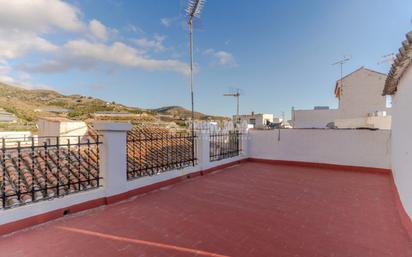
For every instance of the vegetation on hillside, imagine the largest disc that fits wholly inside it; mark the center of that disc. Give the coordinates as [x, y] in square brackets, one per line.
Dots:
[28, 105]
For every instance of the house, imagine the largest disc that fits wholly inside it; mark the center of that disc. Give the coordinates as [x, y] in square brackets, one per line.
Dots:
[399, 86]
[52, 127]
[7, 117]
[256, 120]
[361, 104]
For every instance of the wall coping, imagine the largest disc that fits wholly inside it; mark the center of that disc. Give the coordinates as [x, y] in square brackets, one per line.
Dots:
[112, 126]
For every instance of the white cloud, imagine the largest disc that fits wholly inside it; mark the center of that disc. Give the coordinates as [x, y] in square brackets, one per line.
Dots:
[221, 58]
[121, 54]
[156, 43]
[134, 29]
[22, 79]
[14, 44]
[22, 22]
[166, 21]
[5, 74]
[24, 26]
[39, 15]
[85, 54]
[98, 30]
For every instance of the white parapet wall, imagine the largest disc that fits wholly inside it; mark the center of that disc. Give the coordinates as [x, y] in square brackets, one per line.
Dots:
[113, 171]
[402, 140]
[314, 118]
[363, 148]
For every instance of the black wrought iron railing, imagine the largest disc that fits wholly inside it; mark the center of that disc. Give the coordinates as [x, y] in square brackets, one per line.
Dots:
[151, 151]
[224, 145]
[40, 168]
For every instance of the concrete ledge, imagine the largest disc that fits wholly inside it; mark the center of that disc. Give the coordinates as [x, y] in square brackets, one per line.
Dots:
[48, 216]
[323, 165]
[112, 126]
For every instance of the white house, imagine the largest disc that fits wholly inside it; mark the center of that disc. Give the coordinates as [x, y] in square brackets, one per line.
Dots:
[361, 104]
[399, 86]
[52, 127]
[257, 120]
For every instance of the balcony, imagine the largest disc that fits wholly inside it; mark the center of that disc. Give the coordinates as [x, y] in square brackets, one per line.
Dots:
[251, 209]
[287, 192]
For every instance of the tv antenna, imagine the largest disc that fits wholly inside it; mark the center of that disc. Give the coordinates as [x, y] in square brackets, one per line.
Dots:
[387, 58]
[341, 62]
[193, 10]
[237, 95]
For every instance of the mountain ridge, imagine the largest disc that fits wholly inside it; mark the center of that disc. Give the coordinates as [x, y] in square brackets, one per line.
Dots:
[30, 104]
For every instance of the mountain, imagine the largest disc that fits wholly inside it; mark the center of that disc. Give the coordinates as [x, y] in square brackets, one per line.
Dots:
[30, 104]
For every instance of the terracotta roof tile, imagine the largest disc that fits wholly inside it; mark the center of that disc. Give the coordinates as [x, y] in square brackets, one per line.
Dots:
[28, 175]
[401, 64]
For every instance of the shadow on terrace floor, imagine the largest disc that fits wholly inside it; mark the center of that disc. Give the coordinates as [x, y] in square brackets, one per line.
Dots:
[252, 209]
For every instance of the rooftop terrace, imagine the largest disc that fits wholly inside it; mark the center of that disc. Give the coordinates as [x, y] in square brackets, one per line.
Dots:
[252, 209]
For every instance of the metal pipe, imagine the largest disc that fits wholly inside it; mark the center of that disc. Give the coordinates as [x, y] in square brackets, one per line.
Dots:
[191, 83]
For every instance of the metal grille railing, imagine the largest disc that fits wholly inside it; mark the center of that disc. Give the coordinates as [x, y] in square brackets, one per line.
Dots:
[225, 145]
[151, 151]
[51, 167]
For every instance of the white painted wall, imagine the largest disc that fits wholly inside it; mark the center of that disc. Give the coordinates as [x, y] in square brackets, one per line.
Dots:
[314, 118]
[361, 94]
[344, 147]
[402, 140]
[261, 119]
[65, 128]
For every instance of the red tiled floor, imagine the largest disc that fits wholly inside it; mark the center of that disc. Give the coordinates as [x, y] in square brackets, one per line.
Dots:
[253, 210]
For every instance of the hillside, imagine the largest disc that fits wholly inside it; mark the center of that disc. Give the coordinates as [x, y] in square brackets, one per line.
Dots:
[178, 111]
[28, 105]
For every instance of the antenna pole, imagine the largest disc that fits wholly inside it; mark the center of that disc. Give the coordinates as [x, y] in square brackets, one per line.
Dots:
[237, 95]
[341, 62]
[191, 73]
[237, 107]
[341, 73]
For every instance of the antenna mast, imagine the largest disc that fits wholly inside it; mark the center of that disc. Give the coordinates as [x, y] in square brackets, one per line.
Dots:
[341, 62]
[387, 58]
[237, 95]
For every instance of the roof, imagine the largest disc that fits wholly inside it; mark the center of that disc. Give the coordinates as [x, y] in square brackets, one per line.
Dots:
[109, 112]
[34, 171]
[249, 209]
[57, 119]
[337, 92]
[402, 62]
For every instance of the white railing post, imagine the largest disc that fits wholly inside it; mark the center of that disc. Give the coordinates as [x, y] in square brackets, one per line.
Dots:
[203, 147]
[113, 159]
[244, 137]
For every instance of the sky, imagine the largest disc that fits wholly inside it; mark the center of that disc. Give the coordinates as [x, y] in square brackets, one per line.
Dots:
[279, 53]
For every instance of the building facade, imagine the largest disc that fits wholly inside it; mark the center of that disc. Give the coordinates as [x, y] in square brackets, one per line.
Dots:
[361, 104]
[256, 120]
[399, 86]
